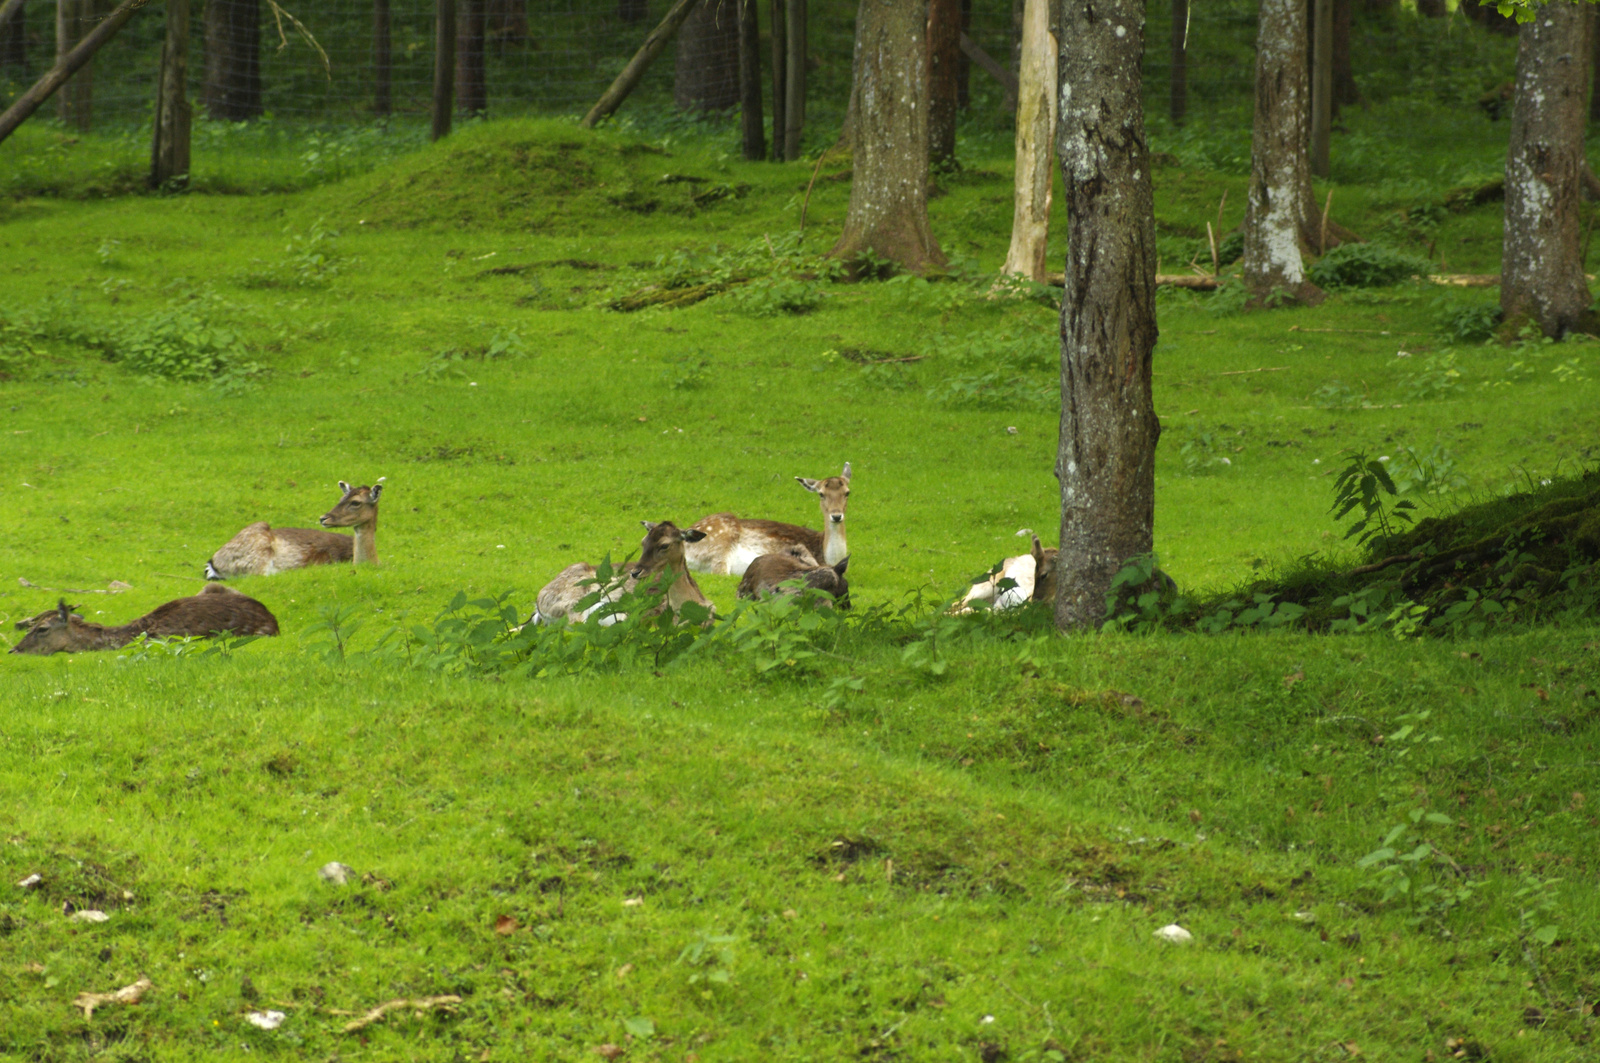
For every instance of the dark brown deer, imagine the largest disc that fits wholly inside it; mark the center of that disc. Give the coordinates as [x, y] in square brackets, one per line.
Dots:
[1034, 574]
[262, 550]
[731, 542]
[661, 552]
[768, 573]
[216, 610]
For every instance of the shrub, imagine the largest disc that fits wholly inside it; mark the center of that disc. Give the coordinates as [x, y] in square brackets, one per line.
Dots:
[1366, 266]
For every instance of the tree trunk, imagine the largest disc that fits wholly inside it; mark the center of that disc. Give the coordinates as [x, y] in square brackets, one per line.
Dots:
[14, 38]
[382, 61]
[508, 23]
[1321, 87]
[444, 66]
[472, 87]
[1542, 265]
[655, 41]
[707, 74]
[780, 75]
[75, 105]
[1345, 91]
[888, 212]
[1594, 64]
[1036, 123]
[1178, 76]
[23, 107]
[631, 11]
[963, 64]
[169, 148]
[1105, 457]
[1280, 205]
[753, 133]
[233, 60]
[794, 80]
[1490, 18]
[944, 88]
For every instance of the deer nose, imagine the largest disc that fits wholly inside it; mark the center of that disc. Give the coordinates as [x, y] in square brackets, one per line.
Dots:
[837, 518]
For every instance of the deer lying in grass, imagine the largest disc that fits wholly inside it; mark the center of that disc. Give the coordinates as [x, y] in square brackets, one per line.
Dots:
[1034, 574]
[661, 558]
[767, 574]
[262, 550]
[216, 610]
[731, 542]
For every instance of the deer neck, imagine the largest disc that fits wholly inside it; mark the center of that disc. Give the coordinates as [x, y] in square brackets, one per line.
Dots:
[99, 637]
[366, 545]
[834, 548]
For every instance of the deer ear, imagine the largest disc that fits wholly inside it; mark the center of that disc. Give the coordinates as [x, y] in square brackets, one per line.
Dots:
[845, 476]
[809, 485]
[377, 493]
[344, 487]
[64, 610]
[649, 525]
[693, 535]
[842, 565]
[1038, 551]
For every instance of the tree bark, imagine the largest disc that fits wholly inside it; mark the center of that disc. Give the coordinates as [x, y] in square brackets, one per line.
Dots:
[382, 60]
[233, 60]
[1345, 91]
[944, 87]
[13, 36]
[1280, 205]
[472, 87]
[1036, 123]
[444, 66]
[706, 77]
[1321, 87]
[508, 23]
[964, 64]
[888, 212]
[24, 106]
[780, 75]
[1542, 265]
[626, 81]
[169, 147]
[75, 105]
[1105, 457]
[1178, 76]
[1594, 64]
[750, 112]
[794, 80]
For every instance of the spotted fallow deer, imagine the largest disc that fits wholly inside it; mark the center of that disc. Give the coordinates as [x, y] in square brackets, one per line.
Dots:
[216, 610]
[661, 555]
[261, 550]
[1034, 574]
[786, 574]
[731, 542]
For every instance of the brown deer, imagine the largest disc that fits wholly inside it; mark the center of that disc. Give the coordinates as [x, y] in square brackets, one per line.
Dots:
[216, 610]
[661, 552]
[768, 573]
[1034, 574]
[731, 542]
[262, 550]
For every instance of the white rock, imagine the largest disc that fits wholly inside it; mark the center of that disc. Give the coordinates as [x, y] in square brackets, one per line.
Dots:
[1174, 933]
[88, 915]
[33, 881]
[336, 873]
[1306, 917]
[267, 1020]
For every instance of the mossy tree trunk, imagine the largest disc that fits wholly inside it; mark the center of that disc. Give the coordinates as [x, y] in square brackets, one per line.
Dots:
[888, 212]
[1542, 264]
[233, 60]
[1036, 121]
[706, 77]
[1280, 198]
[1105, 458]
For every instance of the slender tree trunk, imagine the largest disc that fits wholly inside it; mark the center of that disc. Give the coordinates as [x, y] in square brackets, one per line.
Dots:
[382, 61]
[1594, 64]
[75, 105]
[23, 107]
[507, 24]
[888, 212]
[706, 77]
[654, 43]
[1105, 456]
[1542, 265]
[444, 66]
[472, 87]
[14, 38]
[944, 89]
[1036, 126]
[750, 115]
[169, 148]
[780, 76]
[1345, 91]
[1322, 87]
[963, 64]
[1178, 97]
[794, 80]
[1280, 175]
[233, 60]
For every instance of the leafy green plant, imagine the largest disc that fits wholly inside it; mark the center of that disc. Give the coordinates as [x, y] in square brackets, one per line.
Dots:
[784, 634]
[310, 260]
[1366, 266]
[986, 370]
[709, 958]
[773, 296]
[1200, 451]
[1361, 485]
[1436, 378]
[689, 372]
[1472, 323]
[1336, 395]
[1433, 473]
[182, 341]
[1409, 867]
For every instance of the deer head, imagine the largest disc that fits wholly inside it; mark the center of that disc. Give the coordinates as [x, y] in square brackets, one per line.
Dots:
[1044, 572]
[358, 506]
[834, 493]
[51, 632]
[662, 547]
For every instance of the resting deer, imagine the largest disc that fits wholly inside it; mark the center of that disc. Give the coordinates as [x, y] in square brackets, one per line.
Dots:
[731, 542]
[216, 610]
[1034, 574]
[262, 550]
[767, 574]
[661, 556]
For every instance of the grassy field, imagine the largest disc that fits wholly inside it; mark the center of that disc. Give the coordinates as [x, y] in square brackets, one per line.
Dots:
[929, 840]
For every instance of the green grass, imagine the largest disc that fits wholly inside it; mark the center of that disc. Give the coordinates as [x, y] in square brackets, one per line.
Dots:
[853, 858]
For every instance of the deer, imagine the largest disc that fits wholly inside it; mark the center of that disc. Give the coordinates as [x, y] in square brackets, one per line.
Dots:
[262, 550]
[661, 555]
[1034, 574]
[216, 610]
[731, 542]
[769, 574]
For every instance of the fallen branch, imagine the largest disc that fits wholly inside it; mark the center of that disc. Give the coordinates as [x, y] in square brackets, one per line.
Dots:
[128, 994]
[612, 98]
[1379, 566]
[986, 61]
[68, 65]
[419, 1004]
[116, 586]
[1200, 282]
[671, 298]
[1242, 372]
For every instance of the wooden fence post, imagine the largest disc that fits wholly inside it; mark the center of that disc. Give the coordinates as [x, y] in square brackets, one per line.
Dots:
[444, 66]
[169, 147]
